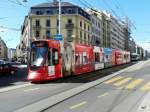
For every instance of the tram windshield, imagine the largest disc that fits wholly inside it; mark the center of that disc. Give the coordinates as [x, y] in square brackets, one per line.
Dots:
[39, 51]
[38, 55]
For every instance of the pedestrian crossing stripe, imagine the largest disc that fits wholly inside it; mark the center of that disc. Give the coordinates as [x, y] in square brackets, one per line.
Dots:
[113, 80]
[134, 83]
[146, 87]
[119, 83]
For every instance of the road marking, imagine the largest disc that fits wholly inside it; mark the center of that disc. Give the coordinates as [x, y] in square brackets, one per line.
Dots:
[134, 84]
[78, 105]
[113, 80]
[15, 87]
[120, 88]
[32, 89]
[102, 95]
[146, 87]
[119, 83]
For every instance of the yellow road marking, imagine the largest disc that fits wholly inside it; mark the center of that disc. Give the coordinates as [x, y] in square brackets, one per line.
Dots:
[120, 88]
[105, 94]
[134, 84]
[113, 80]
[146, 87]
[78, 105]
[119, 83]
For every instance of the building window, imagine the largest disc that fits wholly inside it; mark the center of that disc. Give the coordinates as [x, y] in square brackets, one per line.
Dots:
[37, 33]
[39, 12]
[81, 24]
[57, 23]
[69, 35]
[69, 11]
[84, 26]
[63, 11]
[88, 28]
[80, 34]
[69, 21]
[85, 37]
[89, 38]
[48, 23]
[57, 11]
[47, 12]
[37, 23]
[48, 33]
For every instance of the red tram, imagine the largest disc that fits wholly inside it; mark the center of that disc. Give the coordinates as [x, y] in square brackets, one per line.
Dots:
[51, 60]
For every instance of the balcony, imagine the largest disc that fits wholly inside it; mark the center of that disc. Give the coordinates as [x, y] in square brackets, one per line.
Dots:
[37, 27]
[69, 26]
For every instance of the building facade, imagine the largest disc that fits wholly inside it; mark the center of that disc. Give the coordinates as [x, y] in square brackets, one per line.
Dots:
[3, 49]
[11, 54]
[117, 34]
[97, 28]
[42, 23]
[132, 45]
[106, 29]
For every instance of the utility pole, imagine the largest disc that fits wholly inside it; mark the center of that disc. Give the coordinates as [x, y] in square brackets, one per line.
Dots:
[59, 18]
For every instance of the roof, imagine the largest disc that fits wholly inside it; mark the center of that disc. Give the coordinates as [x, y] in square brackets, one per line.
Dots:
[53, 4]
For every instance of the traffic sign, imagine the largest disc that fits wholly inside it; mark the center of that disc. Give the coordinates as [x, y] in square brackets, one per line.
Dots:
[58, 37]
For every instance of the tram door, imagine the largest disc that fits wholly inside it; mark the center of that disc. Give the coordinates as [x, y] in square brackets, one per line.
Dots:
[54, 67]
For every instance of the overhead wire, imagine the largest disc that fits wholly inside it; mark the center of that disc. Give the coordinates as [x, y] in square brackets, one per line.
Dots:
[115, 14]
[17, 2]
[8, 28]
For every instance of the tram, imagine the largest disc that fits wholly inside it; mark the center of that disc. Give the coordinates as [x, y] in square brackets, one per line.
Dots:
[50, 60]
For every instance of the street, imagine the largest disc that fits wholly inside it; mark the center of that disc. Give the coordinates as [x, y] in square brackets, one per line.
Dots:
[123, 93]
[17, 97]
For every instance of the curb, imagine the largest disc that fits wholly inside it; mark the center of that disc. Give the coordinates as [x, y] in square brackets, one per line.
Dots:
[53, 100]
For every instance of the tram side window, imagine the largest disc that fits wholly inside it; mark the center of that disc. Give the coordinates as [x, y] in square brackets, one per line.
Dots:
[97, 57]
[101, 57]
[52, 57]
[85, 59]
[108, 58]
[77, 59]
[81, 62]
[50, 63]
[55, 56]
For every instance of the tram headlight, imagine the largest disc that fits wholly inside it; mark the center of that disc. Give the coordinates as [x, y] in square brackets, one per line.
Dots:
[32, 75]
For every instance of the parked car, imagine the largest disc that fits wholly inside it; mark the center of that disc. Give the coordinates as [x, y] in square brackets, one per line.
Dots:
[8, 68]
[2, 62]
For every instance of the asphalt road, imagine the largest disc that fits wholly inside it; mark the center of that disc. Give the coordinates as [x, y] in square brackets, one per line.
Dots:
[18, 98]
[127, 92]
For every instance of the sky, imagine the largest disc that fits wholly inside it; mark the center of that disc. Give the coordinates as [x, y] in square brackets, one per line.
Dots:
[12, 16]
